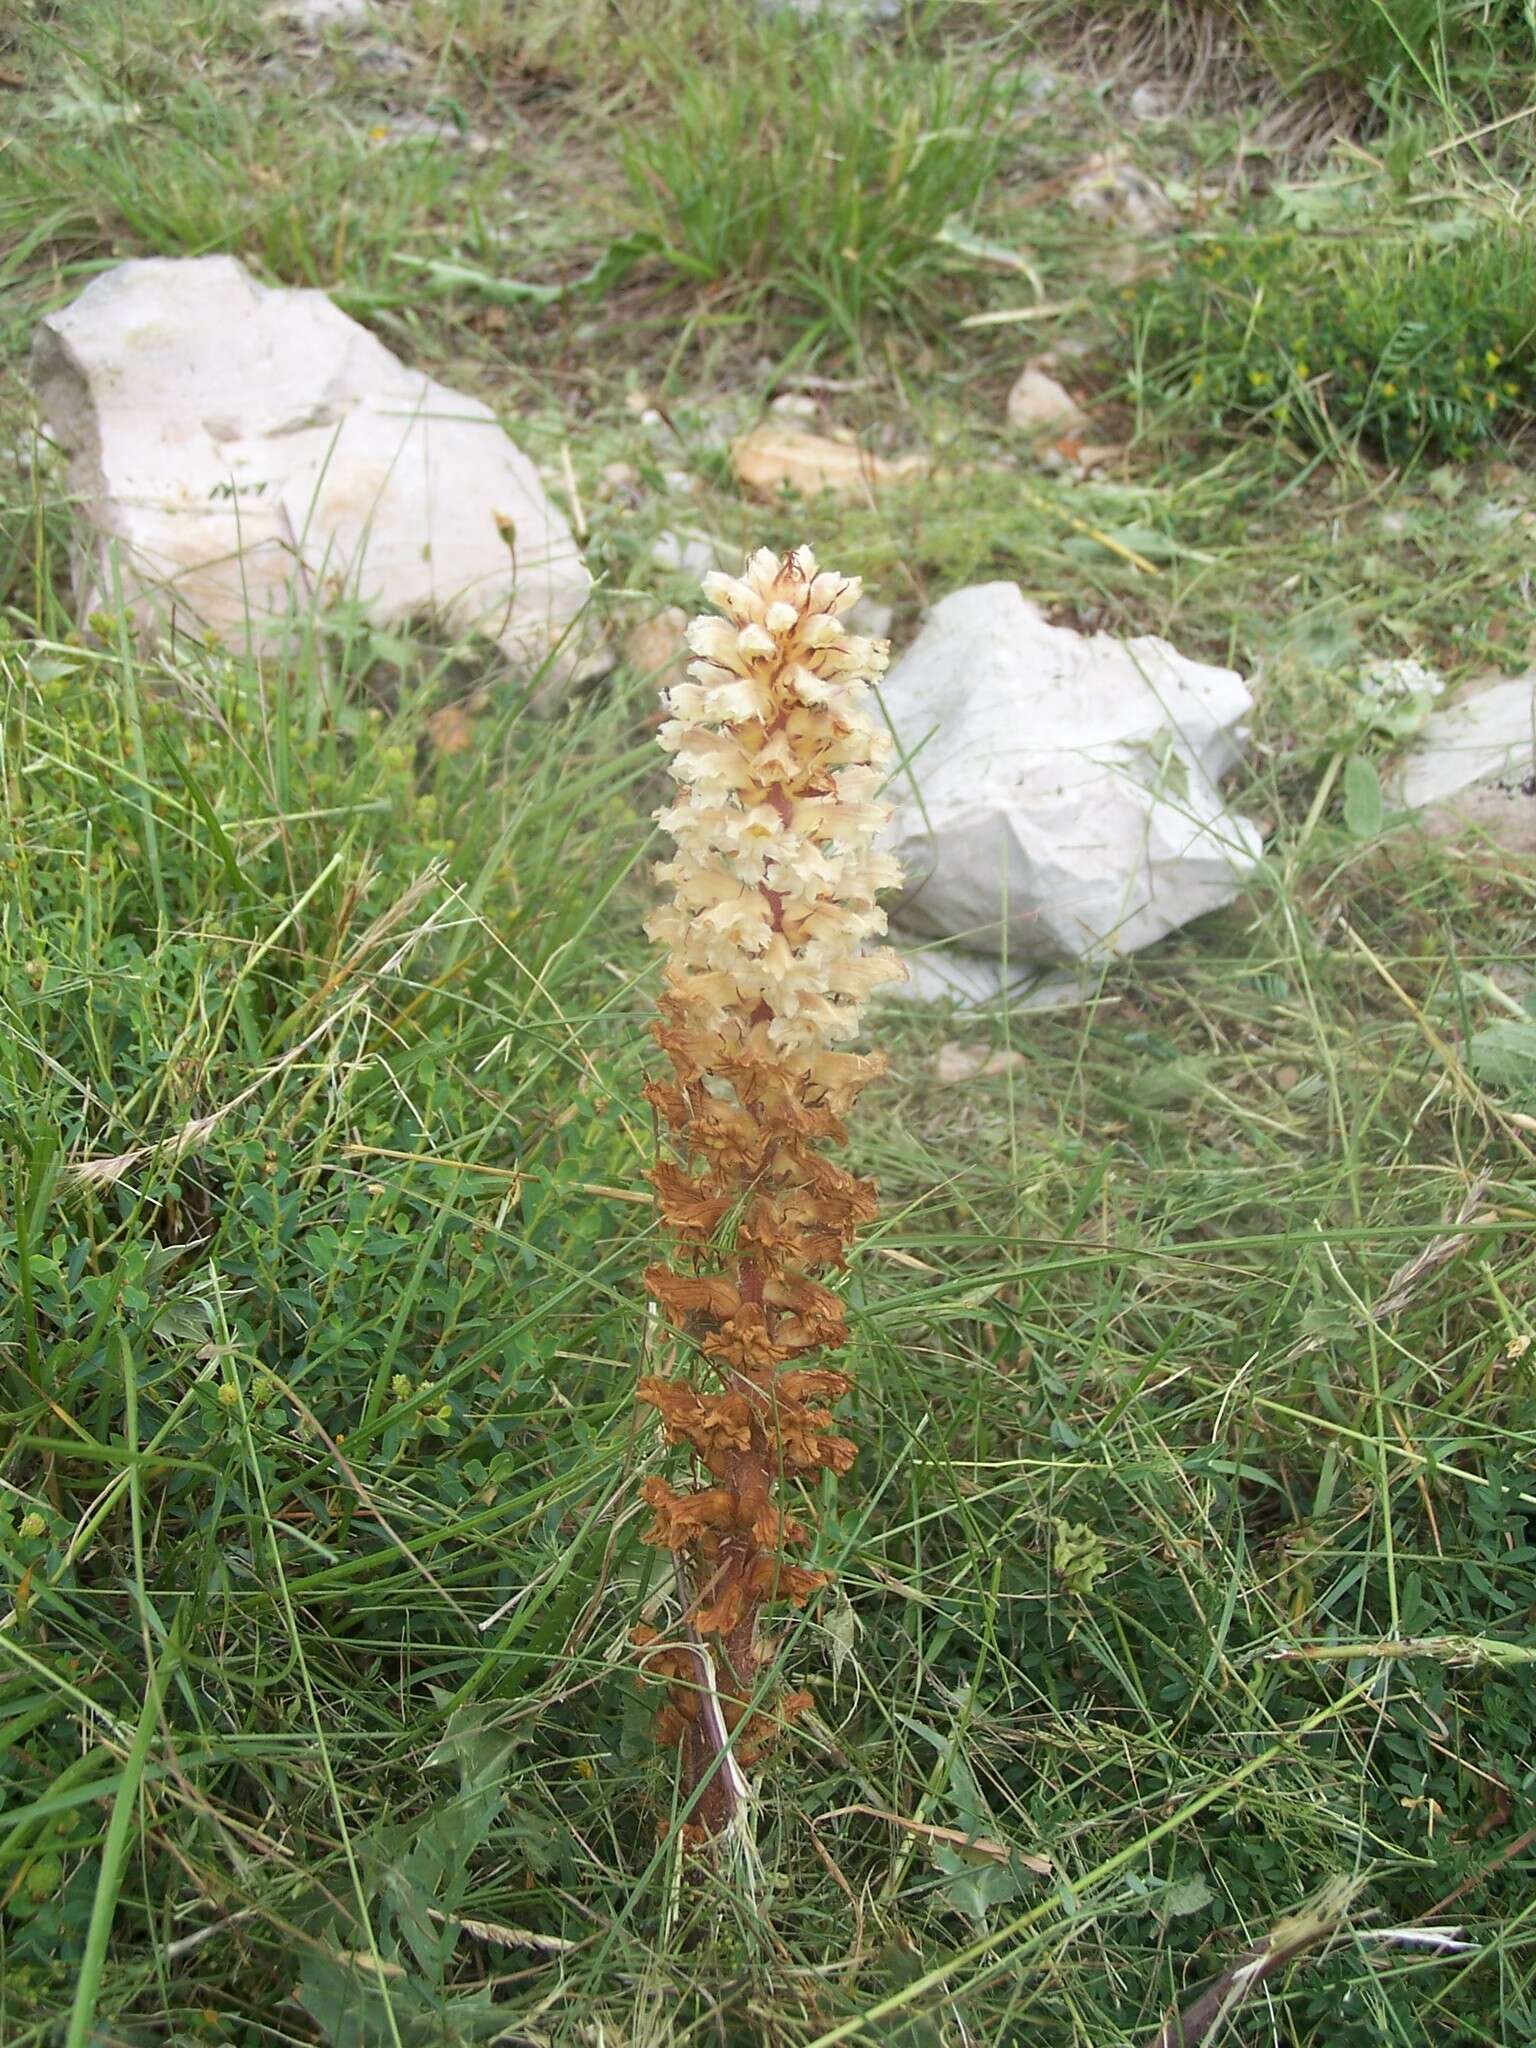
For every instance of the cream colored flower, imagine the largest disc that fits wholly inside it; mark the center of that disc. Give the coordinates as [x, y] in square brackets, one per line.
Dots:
[775, 874]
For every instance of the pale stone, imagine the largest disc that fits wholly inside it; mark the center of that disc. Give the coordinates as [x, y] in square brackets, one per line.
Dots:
[692, 554]
[321, 14]
[844, 13]
[870, 618]
[1473, 768]
[384, 60]
[244, 458]
[772, 458]
[451, 730]
[428, 131]
[1398, 681]
[1154, 101]
[1081, 458]
[1114, 193]
[1037, 404]
[656, 648]
[954, 1063]
[974, 981]
[796, 405]
[1058, 799]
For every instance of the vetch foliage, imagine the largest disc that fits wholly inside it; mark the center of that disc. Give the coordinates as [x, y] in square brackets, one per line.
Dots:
[1415, 343]
[774, 884]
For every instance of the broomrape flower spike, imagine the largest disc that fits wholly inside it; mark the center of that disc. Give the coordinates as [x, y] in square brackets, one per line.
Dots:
[774, 880]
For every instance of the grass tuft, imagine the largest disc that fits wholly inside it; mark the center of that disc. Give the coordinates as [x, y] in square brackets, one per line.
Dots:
[818, 173]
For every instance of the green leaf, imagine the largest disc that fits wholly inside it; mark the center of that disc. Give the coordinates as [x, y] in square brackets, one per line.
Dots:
[1150, 542]
[1505, 1053]
[610, 269]
[1326, 202]
[1186, 1895]
[1364, 806]
[229, 860]
[957, 236]
[842, 1628]
[974, 1885]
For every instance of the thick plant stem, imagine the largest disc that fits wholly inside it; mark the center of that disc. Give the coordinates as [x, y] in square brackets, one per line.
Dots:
[774, 884]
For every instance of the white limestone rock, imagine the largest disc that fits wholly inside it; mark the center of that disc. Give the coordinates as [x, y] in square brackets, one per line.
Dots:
[871, 618]
[1473, 768]
[944, 973]
[1113, 193]
[844, 13]
[243, 458]
[692, 554]
[1038, 404]
[1059, 797]
[321, 14]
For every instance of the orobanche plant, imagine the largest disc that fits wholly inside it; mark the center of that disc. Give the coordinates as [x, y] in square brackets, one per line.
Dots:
[774, 883]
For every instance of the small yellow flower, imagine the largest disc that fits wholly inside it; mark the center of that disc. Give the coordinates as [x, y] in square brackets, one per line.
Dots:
[229, 1394]
[1517, 1347]
[1302, 369]
[33, 1526]
[400, 1386]
[1389, 389]
[1492, 359]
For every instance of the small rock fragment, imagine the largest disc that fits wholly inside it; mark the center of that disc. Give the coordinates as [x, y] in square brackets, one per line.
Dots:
[385, 60]
[844, 12]
[1474, 767]
[451, 730]
[1037, 404]
[691, 554]
[1156, 100]
[772, 458]
[656, 648]
[427, 131]
[321, 14]
[1115, 193]
[954, 1062]
[1071, 457]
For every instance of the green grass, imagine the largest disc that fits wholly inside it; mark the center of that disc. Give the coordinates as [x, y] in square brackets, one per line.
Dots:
[1373, 60]
[818, 171]
[1398, 50]
[322, 1210]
